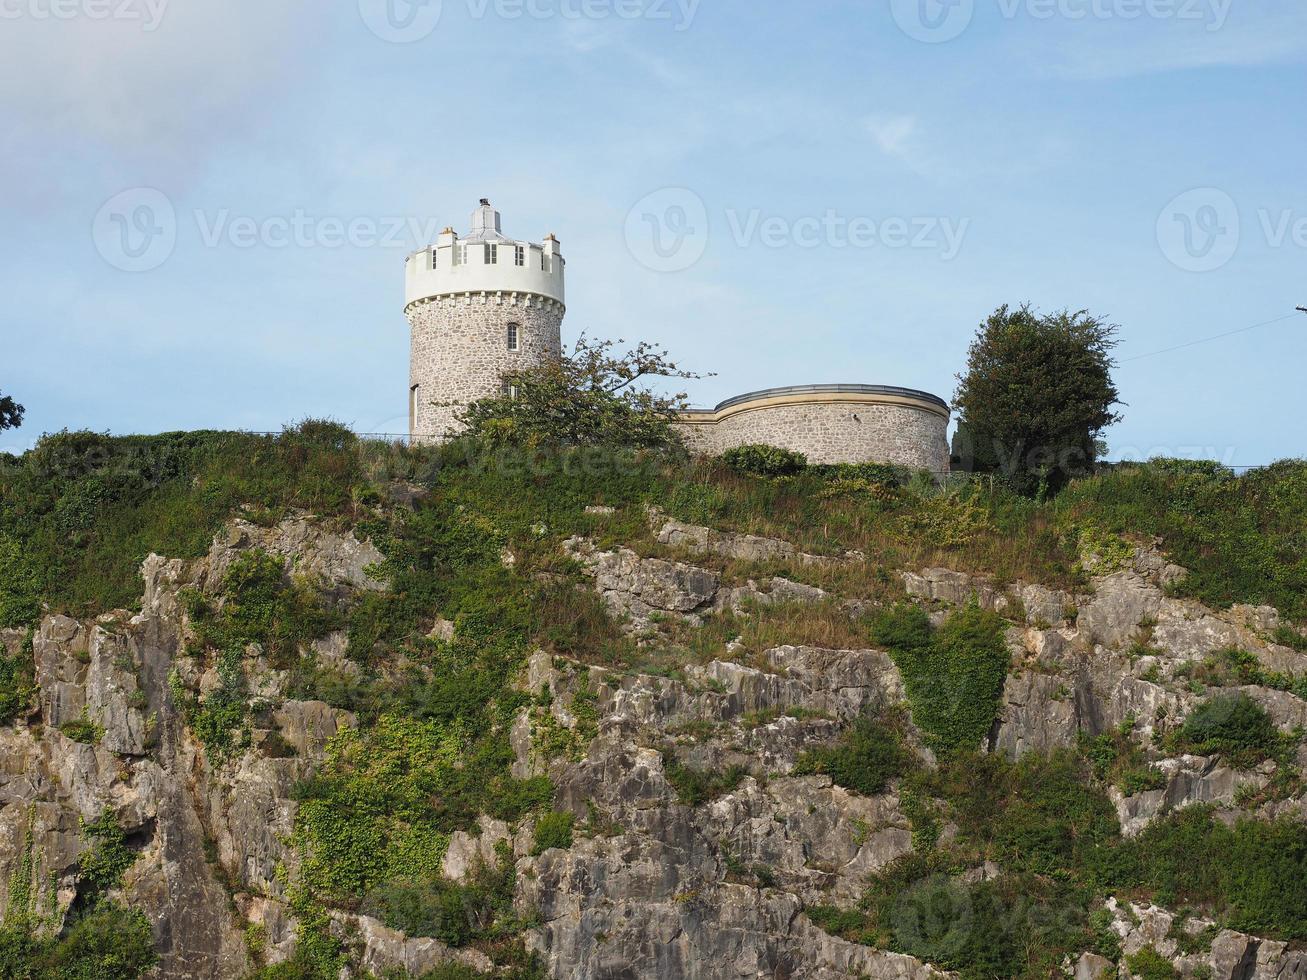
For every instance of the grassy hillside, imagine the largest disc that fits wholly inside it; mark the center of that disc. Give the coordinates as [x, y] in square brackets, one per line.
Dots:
[80, 511]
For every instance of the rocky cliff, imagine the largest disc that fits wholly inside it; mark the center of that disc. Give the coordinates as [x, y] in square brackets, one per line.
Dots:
[700, 841]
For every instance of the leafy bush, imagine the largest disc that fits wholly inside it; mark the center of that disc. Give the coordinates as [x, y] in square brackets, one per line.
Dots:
[697, 786]
[82, 730]
[954, 676]
[553, 830]
[763, 460]
[1231, 724]
[111, 943]
[1149, 964]
[588, 397]
[867, 757]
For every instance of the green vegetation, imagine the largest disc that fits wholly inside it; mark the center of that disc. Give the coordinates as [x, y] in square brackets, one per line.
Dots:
[1253, 875]
[1036, 394]
[81, 511]
[764, 460]
[103, 865]
[553, 830]
[11, 413]
[17, 684]
[111, 943]
[103, 941]
[695, 787]
[588, 397]
[82, 730]
[1233, 725]
[954, 675]
[1119, 760]
[1149, 964]
[867, 757]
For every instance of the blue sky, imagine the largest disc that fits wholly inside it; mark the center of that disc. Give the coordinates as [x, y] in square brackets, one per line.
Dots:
[840, 191]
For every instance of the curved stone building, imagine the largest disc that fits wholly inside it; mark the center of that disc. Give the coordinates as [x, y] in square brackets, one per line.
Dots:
[478, 307]
[830, 424]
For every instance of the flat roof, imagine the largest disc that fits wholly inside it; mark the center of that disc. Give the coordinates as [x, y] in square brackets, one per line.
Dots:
[824, 389]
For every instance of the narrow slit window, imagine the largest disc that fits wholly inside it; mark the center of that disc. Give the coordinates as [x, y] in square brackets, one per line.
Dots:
[513, 338]
[433, 260]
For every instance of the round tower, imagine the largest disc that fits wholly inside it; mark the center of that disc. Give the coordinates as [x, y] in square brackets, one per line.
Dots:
[479, 307]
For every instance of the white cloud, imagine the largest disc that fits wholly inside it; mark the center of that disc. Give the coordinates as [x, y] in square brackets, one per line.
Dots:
[895, 135]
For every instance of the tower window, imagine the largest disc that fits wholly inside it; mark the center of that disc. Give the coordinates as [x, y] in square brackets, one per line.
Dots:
[513, 337]
[413, 408]
[460, 253]
[492, 253]
[433, 259]
[519, 255]
[544, 261]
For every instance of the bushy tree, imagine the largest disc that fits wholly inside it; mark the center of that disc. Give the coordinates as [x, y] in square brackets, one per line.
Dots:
[11, 413]
[1036, 395]
[592, 396]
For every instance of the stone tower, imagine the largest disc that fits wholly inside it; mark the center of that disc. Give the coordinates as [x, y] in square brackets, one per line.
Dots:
[479, 307]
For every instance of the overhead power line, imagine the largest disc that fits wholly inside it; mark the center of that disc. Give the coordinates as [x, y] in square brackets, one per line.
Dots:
[1219, 336]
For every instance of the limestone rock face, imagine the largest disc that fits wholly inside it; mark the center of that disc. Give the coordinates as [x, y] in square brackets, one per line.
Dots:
[659, 883]
[340, 560]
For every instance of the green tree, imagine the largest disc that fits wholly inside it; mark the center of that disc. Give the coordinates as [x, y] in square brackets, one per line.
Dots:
[589, 397]
[11, 413]
[1036, 395]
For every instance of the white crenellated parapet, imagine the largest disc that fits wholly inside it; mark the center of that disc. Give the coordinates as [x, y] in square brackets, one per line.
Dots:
[486, 263]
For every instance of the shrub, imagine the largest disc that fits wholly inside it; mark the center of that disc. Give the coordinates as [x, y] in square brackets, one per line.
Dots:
[697, 786]
[764, 460]
[82, 730]
[1231, 724]
[553, 830]
[111, 943]
[865, 760]
[457, 914]
[1149, 964]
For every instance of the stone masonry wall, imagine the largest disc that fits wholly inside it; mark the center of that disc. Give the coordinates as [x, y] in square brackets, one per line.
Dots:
[459, 352]
[833, 432]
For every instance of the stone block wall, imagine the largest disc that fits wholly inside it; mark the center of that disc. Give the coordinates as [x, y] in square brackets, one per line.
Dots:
[459, 352]
[830, 429]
